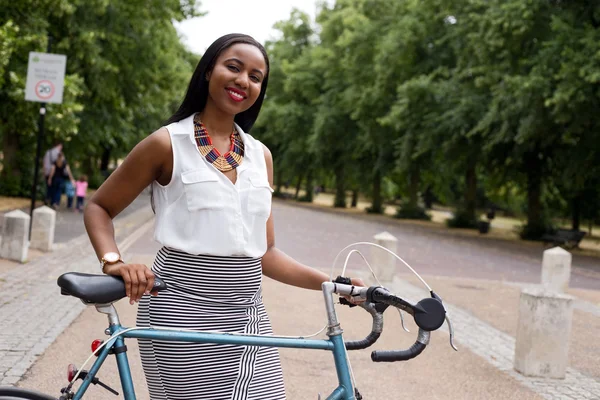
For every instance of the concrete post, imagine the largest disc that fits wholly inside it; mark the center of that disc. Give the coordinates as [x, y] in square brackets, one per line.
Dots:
[543, 331]
[556, 270]
[42, 230]
[15, 232]
[384, 264]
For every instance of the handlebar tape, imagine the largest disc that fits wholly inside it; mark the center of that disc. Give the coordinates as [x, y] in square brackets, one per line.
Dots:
[364, 343]
[399, 355]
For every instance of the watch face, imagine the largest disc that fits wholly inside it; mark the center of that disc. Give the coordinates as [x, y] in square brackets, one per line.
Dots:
[111, 257]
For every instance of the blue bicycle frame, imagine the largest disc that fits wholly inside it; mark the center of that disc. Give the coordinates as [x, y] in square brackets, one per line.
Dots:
[335, 344]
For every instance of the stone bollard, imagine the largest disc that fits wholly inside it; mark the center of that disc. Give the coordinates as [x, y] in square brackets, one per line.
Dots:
[543, 331]
[556, 269]
[383, 263]
[42, 229]
[15, 243]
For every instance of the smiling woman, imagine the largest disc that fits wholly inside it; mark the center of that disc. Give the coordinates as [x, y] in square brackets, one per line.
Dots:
[212, 194]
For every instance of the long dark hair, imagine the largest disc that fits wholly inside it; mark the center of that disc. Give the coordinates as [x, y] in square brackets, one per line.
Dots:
[197, 92]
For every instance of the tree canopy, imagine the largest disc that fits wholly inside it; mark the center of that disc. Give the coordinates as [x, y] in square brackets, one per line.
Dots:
[126, 68]
[476, 103]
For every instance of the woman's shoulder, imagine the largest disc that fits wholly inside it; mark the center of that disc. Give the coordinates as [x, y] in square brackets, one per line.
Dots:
[159, 139]
[154, 149]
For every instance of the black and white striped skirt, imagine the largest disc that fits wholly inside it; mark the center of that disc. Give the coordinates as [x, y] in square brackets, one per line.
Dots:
[208, 293]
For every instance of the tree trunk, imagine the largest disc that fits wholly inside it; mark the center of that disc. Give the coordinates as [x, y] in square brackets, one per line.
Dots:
[309, 186]
[298, 186]
[340, 187]
[576, 212]
[471, 190]
[105, 160]
[11, 176]
[354, 203]
[413, 189]
[88, 165]
[377, 206]
[535, 227]
[534, 196]
[10, 150]
[278, 182]
[428, 198]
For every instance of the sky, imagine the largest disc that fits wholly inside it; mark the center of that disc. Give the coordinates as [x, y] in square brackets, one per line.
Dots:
[252, 17]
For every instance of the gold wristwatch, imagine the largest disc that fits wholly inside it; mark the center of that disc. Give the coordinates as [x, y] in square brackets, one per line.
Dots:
[110, 258]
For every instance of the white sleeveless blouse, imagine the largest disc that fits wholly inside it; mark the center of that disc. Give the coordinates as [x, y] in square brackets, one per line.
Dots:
[201, 211]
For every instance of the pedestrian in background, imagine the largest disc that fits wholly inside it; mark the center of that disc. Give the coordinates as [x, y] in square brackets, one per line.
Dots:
[70, 193]
[48, 162]
[59, 171]
[81, 191]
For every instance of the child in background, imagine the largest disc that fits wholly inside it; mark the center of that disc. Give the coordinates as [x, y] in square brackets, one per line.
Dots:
[70, 192]
[80, 190]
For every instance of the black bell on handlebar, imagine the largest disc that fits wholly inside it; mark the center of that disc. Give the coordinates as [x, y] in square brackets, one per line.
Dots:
[434, 316]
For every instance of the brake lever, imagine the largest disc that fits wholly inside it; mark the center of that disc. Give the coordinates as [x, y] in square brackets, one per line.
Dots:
[402, 320]
[451, 332]
[346, 302]
[450, 327]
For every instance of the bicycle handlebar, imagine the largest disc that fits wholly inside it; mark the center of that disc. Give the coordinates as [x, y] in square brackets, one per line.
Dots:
[376, 311]
[429, 315]
[403, 355]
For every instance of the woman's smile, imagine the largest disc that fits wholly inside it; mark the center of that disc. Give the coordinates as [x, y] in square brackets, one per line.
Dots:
[236, 95]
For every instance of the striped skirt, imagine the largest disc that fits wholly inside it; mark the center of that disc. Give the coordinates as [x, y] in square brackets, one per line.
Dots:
[208, 293]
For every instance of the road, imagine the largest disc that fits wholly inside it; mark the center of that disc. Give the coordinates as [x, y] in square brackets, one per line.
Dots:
[468, 264]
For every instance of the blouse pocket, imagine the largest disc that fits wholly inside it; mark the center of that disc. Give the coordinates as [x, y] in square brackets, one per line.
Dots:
[259, 197]
[202, 190]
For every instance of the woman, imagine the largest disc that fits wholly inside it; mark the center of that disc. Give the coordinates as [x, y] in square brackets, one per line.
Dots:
[60, 169]
[211, 186]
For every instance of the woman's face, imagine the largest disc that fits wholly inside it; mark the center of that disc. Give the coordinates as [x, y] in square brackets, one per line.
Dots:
[236, 79]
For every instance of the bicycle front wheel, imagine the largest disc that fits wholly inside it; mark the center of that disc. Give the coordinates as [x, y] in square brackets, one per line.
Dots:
[13, 393]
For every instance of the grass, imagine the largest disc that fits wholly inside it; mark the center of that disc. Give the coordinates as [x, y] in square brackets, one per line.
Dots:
[501, 226]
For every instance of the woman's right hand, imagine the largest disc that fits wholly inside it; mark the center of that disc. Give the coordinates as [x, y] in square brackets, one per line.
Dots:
[138, 278]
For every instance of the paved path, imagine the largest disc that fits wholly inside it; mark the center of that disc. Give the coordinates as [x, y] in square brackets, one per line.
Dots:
[315, 237]
[32, 312]
[498, 349]
[481, 370]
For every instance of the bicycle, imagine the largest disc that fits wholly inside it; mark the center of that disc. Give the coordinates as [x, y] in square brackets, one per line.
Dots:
[102, 291]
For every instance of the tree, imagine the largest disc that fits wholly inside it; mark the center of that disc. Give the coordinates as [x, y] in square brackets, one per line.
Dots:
[286, 121]
[573, 105]
[125, 70]
[520, 135]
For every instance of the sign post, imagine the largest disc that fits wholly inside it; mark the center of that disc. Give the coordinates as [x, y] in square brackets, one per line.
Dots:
[45, 84]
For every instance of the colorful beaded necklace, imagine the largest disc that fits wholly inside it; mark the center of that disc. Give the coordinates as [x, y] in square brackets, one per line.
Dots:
[226, 162]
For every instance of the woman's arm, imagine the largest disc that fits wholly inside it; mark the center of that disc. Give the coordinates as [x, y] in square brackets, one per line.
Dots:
[283, 268]
[150, 160]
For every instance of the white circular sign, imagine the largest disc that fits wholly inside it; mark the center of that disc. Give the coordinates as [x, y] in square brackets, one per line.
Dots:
[44, 89]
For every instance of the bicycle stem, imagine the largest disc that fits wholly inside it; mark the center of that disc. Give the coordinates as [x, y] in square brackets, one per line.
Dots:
[333, 326]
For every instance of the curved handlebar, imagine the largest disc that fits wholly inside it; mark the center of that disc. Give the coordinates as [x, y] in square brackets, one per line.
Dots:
[429, 314]
[376, 311]
[403, 355]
